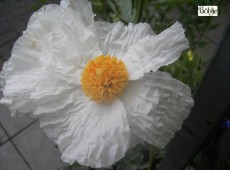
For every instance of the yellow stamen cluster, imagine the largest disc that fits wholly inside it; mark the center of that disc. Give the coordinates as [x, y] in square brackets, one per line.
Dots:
[104, 78]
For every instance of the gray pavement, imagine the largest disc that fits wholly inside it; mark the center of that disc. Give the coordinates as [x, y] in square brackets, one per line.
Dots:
[23, 145]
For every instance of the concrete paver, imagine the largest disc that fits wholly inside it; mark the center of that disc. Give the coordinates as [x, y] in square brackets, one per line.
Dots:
[4, 26]
[217, 34]
[33, 140]
[3, 136]
[5, 52]
[209, 51]
[7, 37]
[12, 125]
[31, 149]
[14, 4]
[4, 10]
[16, 13]
[10, 158]
[20, 25]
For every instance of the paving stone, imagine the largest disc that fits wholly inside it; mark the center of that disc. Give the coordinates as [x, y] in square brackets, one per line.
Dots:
[209, 51]
[5, 52]
[2, 5]
[16, 13]
[4, 11]
[13, 4]
[10, 159]
[55, 1]
[3, 136]
[4, 26]
[7, 37]
[25, 17]
[217, 34]
[1, 63]
[39, 151]
[19, 25]
[12, 125]
[29, 3]
[11, 43]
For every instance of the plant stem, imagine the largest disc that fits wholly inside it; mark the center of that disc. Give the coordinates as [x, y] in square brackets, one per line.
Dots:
[139, 5]
[153, 151]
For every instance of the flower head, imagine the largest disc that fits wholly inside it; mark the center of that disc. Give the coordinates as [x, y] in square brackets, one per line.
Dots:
[104, 78]
[89, 82]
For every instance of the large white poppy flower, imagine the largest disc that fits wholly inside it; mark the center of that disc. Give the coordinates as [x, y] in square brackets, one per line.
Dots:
[90, 84]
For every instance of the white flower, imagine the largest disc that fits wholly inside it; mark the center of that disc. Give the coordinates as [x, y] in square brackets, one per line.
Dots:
[48, 76]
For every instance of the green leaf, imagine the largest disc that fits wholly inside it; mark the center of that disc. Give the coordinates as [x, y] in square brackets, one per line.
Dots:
[76, 166]
[134, 160]
[127, 13]
[127, 10]
[43, 1]
[172, 2]
[35, 7]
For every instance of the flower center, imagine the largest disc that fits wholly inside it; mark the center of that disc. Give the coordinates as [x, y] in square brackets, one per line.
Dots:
[104, 78]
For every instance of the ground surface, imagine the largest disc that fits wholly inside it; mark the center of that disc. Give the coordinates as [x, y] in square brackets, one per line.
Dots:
[23, 146]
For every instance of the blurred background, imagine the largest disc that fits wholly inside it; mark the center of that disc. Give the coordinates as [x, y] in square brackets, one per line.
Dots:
[23, 146]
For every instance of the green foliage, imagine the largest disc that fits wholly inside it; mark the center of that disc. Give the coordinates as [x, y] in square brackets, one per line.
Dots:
[76, 166]
[123, 10]
[188, 69]
[188, 2]
[134, 160]
[36, 7]
[104, 11]
[169, 2]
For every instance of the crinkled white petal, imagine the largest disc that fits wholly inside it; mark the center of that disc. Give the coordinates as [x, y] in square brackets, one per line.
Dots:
[152, 52]
[116, 38]
[113, 38]
[83, 8]
[156, 105]
[47, 59]
[92, 134]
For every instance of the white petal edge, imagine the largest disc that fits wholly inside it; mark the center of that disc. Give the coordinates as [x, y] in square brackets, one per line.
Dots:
[83, 8]
[152, 52]
[156, 105]
[116, 38]
[95, 135]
